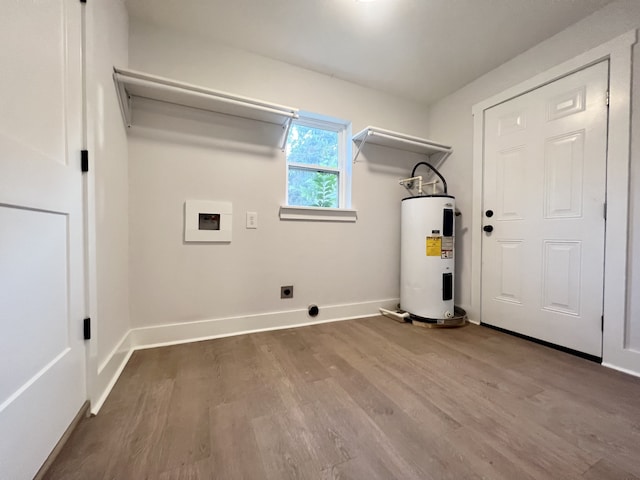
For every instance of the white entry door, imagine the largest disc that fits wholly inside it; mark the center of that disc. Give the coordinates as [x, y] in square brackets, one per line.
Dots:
[544, 197]
[42, 367]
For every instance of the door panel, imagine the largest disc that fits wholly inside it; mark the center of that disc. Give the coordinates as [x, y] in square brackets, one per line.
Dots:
[33, 40]
[510, 182]
[567, 103]
[564, 162]
[42, 322]
[511, 122]
[561, 277]
[544, 178]
[510, 258]
[42, 376]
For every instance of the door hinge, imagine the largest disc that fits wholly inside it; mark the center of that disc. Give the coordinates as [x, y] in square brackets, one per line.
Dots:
[606, 97]
[83, 1]
[602, 323]
[86, 328]
[605, 210]
[84, 161]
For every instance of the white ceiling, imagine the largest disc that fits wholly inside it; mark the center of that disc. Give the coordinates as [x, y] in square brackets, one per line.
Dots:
[417, 49]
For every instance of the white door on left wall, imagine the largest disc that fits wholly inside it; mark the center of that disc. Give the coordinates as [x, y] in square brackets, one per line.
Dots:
[42, 372]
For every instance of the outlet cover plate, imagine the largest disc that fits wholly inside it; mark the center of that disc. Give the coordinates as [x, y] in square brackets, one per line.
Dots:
[252, 220]
[286, 291]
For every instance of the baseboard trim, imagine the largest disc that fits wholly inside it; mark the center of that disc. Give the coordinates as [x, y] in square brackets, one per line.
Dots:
[621, 369]
[177, 333]
[82, 413]
[109, 382]
[109, 371]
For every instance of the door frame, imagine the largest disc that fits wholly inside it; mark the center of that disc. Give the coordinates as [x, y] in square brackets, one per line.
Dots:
[618, 51]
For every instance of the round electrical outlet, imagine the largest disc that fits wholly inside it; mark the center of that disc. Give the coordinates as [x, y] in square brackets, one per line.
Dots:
[286, 291]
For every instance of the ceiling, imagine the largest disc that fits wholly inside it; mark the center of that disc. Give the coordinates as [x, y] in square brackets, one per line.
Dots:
[417, 49]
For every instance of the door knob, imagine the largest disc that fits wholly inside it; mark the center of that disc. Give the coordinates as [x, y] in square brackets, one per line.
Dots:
[488, 228]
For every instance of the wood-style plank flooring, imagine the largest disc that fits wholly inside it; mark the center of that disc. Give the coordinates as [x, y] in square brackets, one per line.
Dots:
[362, 399]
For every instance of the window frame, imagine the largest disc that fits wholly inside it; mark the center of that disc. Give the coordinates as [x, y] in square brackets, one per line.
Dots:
[343, 129]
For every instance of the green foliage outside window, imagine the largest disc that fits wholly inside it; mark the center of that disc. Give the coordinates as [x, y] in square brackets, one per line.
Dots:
[313, 189]
[313, 147]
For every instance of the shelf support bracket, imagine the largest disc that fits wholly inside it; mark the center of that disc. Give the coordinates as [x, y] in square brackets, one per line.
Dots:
[362, 142]
[442, 159]
[124, 100]
[285, 135]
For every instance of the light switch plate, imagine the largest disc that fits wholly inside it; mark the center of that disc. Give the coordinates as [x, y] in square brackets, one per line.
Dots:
[252, 219]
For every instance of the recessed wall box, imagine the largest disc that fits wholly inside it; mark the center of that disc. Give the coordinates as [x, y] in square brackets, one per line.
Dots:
[206, 221]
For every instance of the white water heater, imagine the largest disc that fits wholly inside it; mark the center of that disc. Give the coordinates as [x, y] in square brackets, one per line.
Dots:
[427, 257]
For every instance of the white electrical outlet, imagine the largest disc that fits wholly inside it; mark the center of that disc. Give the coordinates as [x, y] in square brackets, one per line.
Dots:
[252, 219]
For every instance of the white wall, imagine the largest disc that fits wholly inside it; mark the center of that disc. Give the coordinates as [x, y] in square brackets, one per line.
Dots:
[177, 154]
[107, 44]
[451, 122]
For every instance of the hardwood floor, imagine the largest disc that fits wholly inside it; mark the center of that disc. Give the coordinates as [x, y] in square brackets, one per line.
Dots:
[362, 399]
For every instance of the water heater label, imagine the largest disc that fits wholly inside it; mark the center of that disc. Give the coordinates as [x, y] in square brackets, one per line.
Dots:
[434, 246]
[447, 247]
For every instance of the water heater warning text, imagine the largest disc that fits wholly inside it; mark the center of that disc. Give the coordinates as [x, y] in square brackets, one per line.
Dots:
[447, 247]
[434, 246]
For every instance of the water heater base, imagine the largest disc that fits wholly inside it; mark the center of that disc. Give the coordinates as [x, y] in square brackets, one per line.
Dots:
[458, 320]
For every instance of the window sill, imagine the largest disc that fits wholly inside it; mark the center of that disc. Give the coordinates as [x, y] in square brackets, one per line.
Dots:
[318, 214]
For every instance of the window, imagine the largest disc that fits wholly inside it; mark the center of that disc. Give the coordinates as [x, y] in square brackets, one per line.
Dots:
[318, 162]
